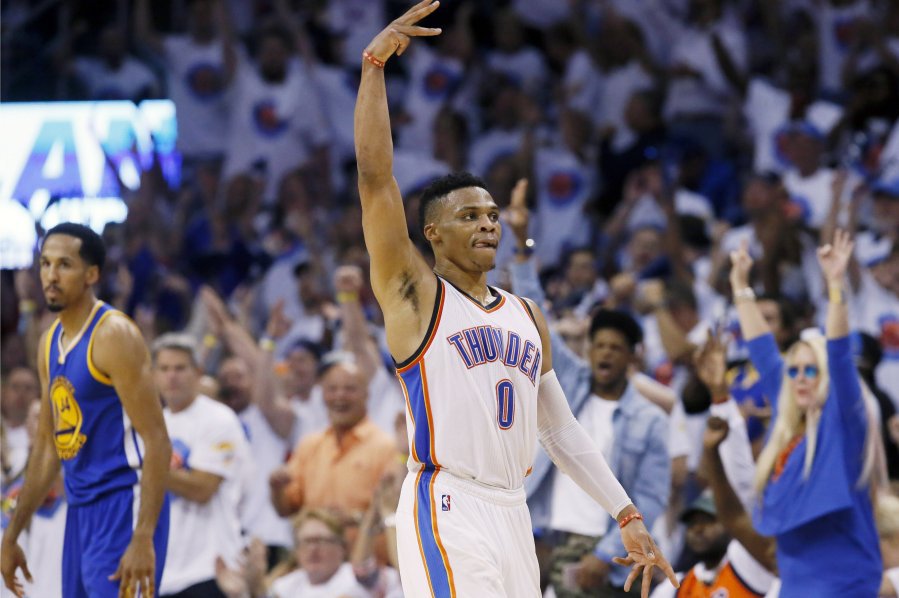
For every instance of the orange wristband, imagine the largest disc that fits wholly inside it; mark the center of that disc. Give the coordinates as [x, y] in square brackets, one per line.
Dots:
[629, 518]
[371, 58]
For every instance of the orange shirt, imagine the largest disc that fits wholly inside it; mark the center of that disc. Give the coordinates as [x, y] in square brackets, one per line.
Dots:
[328, 474]
[726, 585]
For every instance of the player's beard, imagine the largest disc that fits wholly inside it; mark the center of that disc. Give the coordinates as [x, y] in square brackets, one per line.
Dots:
[55, 307]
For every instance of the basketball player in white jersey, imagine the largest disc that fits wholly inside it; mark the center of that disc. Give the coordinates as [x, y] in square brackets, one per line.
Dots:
[476, 369]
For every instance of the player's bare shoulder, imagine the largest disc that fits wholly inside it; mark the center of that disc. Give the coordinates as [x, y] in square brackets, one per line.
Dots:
[543, 329]
[118, 345]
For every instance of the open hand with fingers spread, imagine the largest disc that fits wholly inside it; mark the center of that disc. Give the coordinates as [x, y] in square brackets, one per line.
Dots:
[395, 38]
[834, 257]
[642, 555]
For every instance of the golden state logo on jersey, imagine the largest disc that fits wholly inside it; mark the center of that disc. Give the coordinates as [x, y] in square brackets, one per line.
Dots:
[67, 417]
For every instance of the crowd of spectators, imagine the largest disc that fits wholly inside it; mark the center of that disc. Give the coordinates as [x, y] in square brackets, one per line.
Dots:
[656, 138]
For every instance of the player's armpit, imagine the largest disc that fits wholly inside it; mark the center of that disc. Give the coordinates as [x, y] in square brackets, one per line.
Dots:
[543, 328]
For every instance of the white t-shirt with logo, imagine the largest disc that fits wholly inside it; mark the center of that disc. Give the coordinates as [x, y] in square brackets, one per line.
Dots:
[197, 85]
[270, 452]
[573, 510]
[206, 436]
[811, 196]
[434, 81]
[276, 125]
[563, 186]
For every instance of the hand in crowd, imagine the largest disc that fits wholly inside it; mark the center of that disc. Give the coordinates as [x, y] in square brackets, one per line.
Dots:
[348, 279]
[651, 295]
[741, 265]
[834, 258]
[247, 578]
[278, 323]
[395, 38]
[716, 430]
[711, 364]
[592, 573]
[517, 216]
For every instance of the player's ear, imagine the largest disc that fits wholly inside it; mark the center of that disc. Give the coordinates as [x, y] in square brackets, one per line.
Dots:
[93, 274]
[430, 232]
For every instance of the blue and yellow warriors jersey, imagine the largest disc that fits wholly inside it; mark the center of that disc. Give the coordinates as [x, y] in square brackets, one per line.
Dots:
[99, 449]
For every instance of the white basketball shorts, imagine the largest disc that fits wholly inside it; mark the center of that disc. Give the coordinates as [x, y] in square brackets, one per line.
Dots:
[460, 539]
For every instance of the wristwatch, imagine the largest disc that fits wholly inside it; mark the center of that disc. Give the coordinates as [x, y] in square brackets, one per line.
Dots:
[527, 250]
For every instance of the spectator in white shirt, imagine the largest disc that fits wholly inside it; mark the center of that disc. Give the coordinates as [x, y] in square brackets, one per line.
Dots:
[20, 389]
[807, 181]
[277, 123]
[114, 75]
[199, 67]
[698, 91]
[515, 59]
[210, 464]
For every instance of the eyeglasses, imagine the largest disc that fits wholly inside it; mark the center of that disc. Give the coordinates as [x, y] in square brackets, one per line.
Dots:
[317, 541]
[809, 371]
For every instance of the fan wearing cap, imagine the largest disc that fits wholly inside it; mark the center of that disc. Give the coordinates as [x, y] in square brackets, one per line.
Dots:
[714, 574]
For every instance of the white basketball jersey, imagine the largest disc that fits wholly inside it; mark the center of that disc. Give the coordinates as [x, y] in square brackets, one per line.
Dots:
[471, 389]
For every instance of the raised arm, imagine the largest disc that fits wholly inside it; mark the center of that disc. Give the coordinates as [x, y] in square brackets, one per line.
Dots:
[274, 406]
[834, 259]
[121, 353]
[731, 513]
[396, 265]
[43, 468]
[355, 336]
[735, 450]
[752, 322]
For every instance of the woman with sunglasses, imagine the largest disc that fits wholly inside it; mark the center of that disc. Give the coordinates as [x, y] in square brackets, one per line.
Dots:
[813, 478]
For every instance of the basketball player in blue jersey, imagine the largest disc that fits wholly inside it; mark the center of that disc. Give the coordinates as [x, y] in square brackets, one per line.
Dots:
[101, 421]
[476, 370]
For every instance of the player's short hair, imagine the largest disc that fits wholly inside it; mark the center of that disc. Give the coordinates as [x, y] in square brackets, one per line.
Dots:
[177, 341]
[620, 321]
[92, 251]
[440, 188]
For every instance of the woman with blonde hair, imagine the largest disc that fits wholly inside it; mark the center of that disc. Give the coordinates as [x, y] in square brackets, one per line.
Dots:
[813, 478]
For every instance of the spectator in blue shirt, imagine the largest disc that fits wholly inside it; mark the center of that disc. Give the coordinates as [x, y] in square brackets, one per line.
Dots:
[814, 476]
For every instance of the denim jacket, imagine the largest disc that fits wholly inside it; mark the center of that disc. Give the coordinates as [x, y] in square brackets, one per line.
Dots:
[639, 457]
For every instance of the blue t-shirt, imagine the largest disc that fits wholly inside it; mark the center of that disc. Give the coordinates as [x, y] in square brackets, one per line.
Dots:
[827, 543]
[99, 449]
